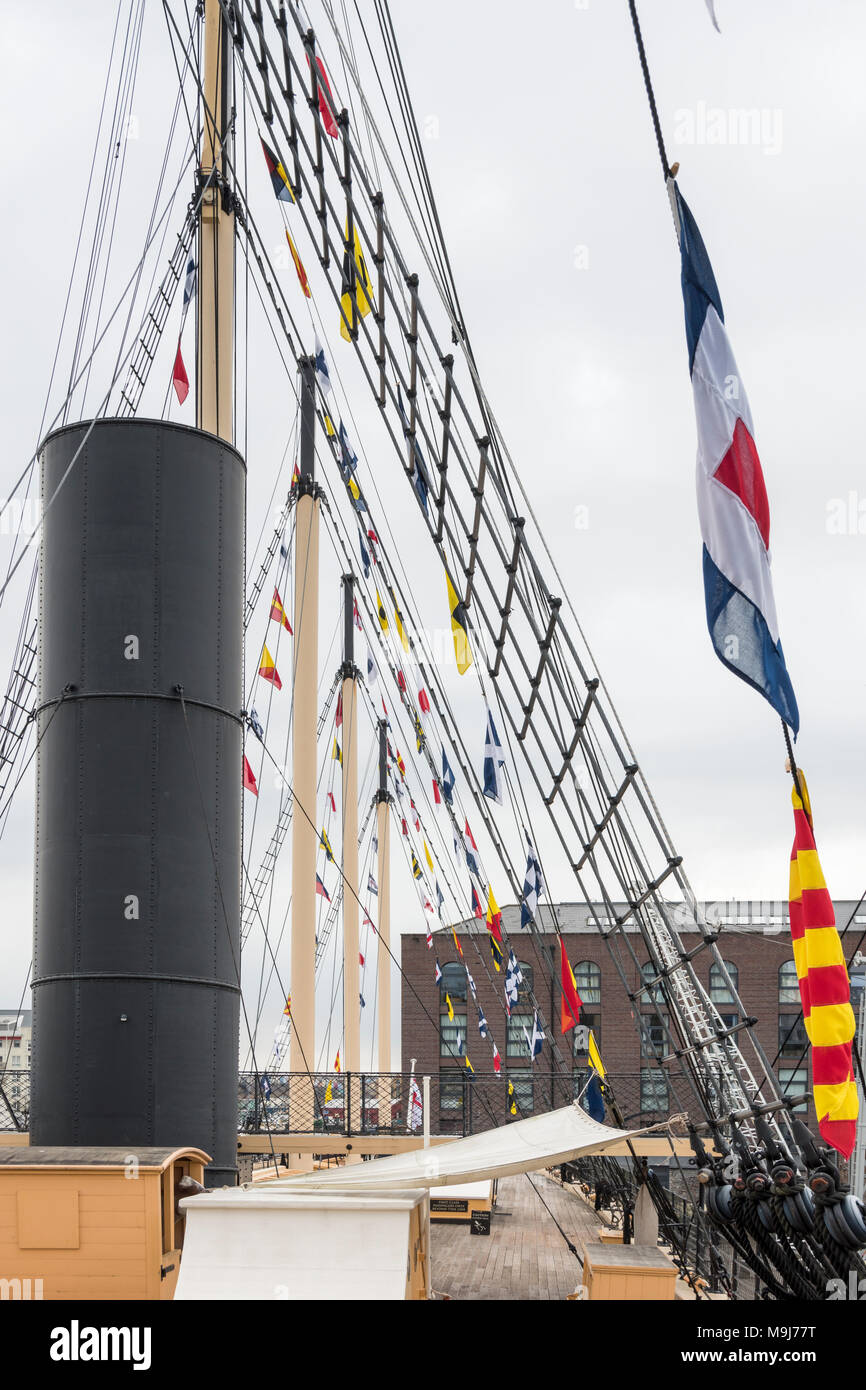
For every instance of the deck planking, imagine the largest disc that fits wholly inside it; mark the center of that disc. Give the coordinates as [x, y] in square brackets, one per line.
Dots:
[524, 1257]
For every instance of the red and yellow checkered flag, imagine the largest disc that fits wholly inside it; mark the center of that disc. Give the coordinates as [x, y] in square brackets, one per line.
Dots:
[824, 986]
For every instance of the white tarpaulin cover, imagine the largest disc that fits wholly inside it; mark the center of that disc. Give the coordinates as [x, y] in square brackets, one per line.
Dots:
[539, 1142]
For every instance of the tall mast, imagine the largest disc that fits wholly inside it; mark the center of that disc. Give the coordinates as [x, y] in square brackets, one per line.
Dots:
[383, 833]
[351, 887]
[216, 279]
[305, 834]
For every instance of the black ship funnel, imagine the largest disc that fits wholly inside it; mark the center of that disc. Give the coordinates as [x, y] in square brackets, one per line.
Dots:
[138, 822]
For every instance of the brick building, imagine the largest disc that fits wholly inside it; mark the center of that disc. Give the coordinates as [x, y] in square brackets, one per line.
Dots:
[754, 942]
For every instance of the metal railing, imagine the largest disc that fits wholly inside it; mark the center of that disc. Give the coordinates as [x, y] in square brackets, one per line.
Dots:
[461, 1103]
[367, 1103]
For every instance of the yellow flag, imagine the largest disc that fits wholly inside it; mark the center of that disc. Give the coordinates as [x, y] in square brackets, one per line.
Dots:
[595, 1056]
[462, 649]
[450, 1007]
[427, 854]
[329, 427]
[329, 1094]
[383, 616]
[398, 618]
[363, 288]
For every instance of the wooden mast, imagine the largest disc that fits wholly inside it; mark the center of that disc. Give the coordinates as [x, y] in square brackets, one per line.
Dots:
[216, 278]
[383, 832]
[351, 886]
[305, 833]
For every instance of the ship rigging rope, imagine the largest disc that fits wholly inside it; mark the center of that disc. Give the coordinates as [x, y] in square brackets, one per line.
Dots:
[617, 722]
[105, 399]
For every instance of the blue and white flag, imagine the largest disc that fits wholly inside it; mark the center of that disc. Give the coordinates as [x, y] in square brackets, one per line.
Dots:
[482, 1022]
[513, 978]
[371, 885]
[348, 460]
[732, 497]
[471, 984]
[189, 283]
[593, 1100]
[372, 673]
[536, 1041]
[323, 375]
[365, 555]
[361, 997]
[265, 1084]
[256, 726]
[284, 550]
[447, 780]
[493, 762]
[438, 971]
[533, 886]
[459, 1044]
[440, 898]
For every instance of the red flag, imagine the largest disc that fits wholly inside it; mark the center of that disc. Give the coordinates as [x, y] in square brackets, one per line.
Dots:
[332, 801]
[249, 779]
[360, 958]
[356, 615]
[571, 1001]
[437, 795]
[469, 836]
[179, 378]
[401, 680]
[325, 110]
[476, 903]
[405, 827]
[278, 612]
[299, 267]
[339, 708]
[423, 701]
[497, 1065]
[268, 671]
[429, 938]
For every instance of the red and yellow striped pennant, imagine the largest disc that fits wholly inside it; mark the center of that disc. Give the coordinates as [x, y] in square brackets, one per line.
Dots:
[824, 986]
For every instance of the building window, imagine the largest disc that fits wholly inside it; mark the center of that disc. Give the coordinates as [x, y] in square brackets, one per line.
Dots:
[794, 1081]
[793, 1039]
[720, 991]
[650, 996]
[580, 1034]
[522, 1083]
[587, 976]
[789, 989]
[450, 1092]
[453, 980]
[448, 1035]
[524, 989]
[654, 1039]
[515, 1042]
[653, 1092]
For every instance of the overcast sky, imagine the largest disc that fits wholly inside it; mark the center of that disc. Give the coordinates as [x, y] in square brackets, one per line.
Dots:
[545, 168]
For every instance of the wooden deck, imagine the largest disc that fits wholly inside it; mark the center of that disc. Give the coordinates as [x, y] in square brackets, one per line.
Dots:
[524, 1257]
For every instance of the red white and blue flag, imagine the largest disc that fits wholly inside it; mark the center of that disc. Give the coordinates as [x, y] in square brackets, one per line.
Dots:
[732, 498]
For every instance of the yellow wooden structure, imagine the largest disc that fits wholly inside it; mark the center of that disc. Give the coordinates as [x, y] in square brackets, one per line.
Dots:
[92, 1223]
[628, 1273]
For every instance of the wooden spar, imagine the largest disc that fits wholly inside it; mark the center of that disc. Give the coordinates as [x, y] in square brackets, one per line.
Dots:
[216, 276]
[383, 831]
[305, 833]
[351, 887]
